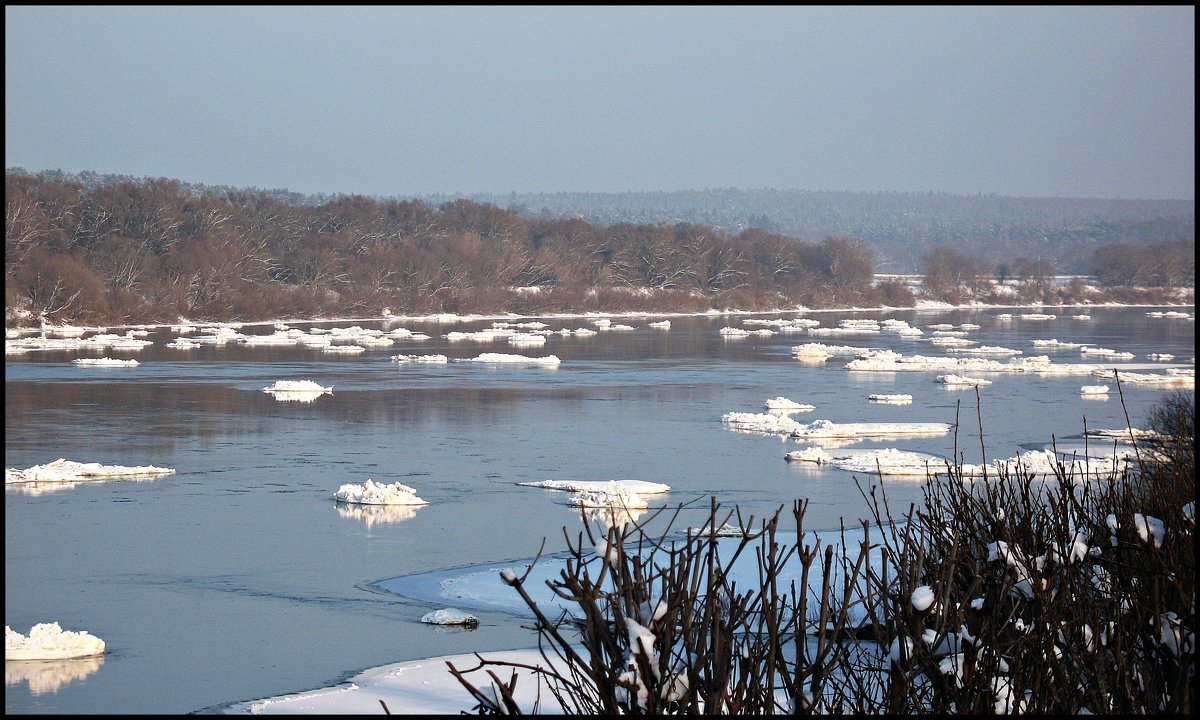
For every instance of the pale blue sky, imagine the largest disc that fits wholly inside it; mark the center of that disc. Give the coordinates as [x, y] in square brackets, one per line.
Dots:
[1023, 101]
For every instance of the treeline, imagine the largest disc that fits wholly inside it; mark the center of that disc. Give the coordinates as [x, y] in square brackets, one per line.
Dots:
[151, 251]
[1130, 273]
[899, 227]
[156, 250]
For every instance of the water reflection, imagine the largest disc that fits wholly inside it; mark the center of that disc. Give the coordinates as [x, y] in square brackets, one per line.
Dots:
[377, 514]
[40, 488]
[297, 395]
[47, 676]
[613, 515]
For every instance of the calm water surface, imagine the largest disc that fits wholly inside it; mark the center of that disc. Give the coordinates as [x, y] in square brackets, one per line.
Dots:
[239, 577]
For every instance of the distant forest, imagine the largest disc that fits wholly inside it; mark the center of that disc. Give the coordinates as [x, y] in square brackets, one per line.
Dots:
[109, 249]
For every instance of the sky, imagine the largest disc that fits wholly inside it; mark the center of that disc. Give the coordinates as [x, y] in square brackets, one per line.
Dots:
[401, 101]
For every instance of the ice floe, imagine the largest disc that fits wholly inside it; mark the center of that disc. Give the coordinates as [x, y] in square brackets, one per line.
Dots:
[450, 616]
[373, 493]
[297, 390]
[420, 358]
[48, 641]
[343, 349]
[104, 362]
[784, 405]
[549, 360]
[961, 380]
[1093, 390]
[63, 470]
[614, 495]
[892, 462]
[898, 398]
[641, 487]
[887, 461]
[769, 424]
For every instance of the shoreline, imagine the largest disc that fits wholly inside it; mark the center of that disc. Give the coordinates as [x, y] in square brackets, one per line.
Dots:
[454, 318]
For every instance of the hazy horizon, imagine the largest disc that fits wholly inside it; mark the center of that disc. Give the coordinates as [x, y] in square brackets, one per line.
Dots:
[1066, 102]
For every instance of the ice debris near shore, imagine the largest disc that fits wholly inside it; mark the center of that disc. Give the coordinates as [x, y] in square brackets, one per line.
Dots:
[62, 470]
[48, 641]
[769, 424]
[902, 463]
[887, 461]
[373, 493]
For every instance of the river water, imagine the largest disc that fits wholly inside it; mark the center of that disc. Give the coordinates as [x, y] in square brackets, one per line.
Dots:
[239, 577]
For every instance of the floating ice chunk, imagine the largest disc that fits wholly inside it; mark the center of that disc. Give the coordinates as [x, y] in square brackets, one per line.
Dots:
[951, 341]
[922, 598]
[898, 398]
[641, 487]
[62, 470]
[182, 344]
[104, 362]
[1170, 379]
[297, 390]
[1056, 343]
[886, 462]
[986, 350]
[450, 616]
[814, 455]
[1082, 317]
[420, 358]
[782, 404]
[1161, 356]
[776, 425]
[526, 340]
[373, 493]
[1093, 390]
[614, 495]
[278, 338]
[1121, 433]
[661, 324]
[961, 380]
[374, 341]
[1037, 316]
[343, 349]
[48, 641]
[732, 332]
[768, 423]
[297, 386]
[548, 360]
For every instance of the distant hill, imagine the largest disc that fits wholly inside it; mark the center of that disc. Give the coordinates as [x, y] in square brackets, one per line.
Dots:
[901, 227]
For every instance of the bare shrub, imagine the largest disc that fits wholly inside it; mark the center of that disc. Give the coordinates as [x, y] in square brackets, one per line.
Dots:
[1013, 592]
